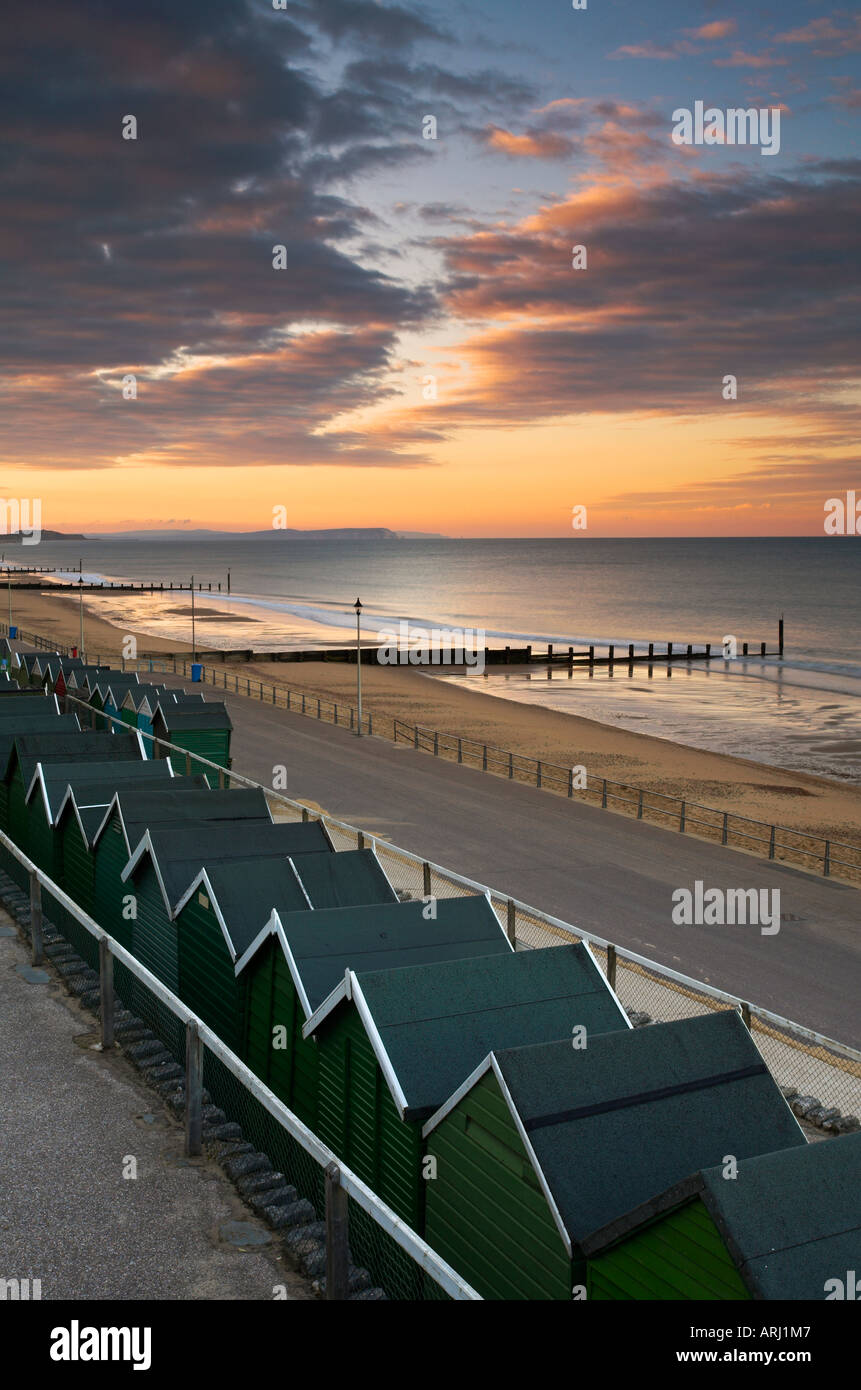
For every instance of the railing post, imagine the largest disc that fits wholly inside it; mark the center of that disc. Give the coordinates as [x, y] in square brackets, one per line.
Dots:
[570, 781]
[193, 1090]
[337, 1229]
[426, 878]
[745, 1013]
[511, 922]
[640, 805]
[771, 842]
[336, 714]
[611, 966]
[510, 766]
[305, 816]
[604, 791]
[370, 725]
[484, 758]
[538, 773]
[188, 764]
[318, 708]
[436, 743]
[106, 992]
[415, 736]
[360, 840]
[826, 865]
[36, 919]
[724, 837]
[682, 816]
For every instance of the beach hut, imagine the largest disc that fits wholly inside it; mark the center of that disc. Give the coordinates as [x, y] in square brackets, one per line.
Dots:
[22, 716]
[55, 671]
[48, 788]
[82, 807]
[353, 878]
[216, 918]
[107, 695]
[203, 729]
[54, 746]
[395, 1044]
[785, 1227]
[186, 801]
[16, 699]
[300, 958]
[138, 707]
[541, 1146]
[166, 860]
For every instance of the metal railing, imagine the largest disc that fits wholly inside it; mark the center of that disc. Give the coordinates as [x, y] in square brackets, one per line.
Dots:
[800, 1059]
[802, 849]
[358, 1223]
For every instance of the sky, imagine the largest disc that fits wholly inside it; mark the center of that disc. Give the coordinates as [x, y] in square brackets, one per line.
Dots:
[423, 353]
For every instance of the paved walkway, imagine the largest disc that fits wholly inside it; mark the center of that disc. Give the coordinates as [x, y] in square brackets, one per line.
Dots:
[603, 872]
[70, 1118]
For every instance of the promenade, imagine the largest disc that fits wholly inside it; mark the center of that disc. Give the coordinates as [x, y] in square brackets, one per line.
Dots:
[71, 1121]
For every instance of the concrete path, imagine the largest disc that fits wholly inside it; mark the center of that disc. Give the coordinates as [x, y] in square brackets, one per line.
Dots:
[70, 1120]
[600, 871]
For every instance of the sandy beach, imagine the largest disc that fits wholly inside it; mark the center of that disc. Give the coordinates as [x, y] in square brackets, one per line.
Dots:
[744, 787]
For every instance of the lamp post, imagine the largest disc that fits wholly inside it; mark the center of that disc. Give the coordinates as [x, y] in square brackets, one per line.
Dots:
[358, 607]
[193, 634]
[81, 605]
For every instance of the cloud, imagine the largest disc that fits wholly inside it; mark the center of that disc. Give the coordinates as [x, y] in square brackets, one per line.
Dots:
[827, 36]
[535, 144]
[740, 59]
[717, 29]
[649, 49]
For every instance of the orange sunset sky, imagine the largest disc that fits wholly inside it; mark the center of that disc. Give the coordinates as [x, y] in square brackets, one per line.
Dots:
[428, 359]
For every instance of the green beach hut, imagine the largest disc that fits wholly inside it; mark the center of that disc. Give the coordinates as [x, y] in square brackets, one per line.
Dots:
[300, 958]
[82, 807]
[228, 906]
[543, 1145]
[787, 1226]
[395, 1044]
[184, 801]
[204, 729]
[166, 860]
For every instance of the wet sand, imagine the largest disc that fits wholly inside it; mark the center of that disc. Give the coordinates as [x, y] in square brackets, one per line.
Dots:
[796, 800]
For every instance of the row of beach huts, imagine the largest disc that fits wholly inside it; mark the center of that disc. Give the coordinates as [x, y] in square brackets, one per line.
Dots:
[498, 1100]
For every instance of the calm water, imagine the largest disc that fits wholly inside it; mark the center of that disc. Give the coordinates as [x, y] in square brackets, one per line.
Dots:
[802, 712]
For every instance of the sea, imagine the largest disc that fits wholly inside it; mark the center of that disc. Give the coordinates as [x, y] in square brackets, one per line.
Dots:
[802, 712]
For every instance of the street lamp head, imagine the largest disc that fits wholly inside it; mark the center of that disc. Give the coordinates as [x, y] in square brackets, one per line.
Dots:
[358, 605]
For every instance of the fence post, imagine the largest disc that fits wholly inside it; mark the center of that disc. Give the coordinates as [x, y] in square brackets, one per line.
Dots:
[604, 791]
[771, 842]
[484, 758]
[193, 1090]
[725, 831]
[318, 707]
[305, 813]
[510, 766]
[352, 713]
[36, 919]
[436, 743]
[570, 781]
[336, 714]
[826, 866]
[511, 922]
[370, 725]
[188, 764]
[303, 702]
[682, 816]
[337, 1248]
[106, 992]
[426, 878]
[288, 697]
[415, 736]
[745, 1013]
[360, 840]
[611, 966]
[640, 805]
[538, 773]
